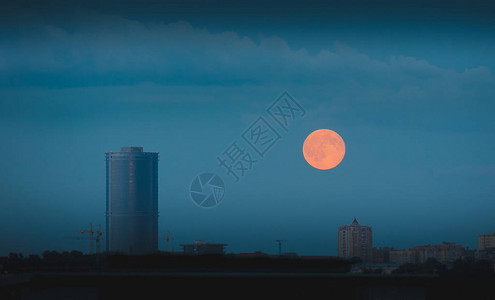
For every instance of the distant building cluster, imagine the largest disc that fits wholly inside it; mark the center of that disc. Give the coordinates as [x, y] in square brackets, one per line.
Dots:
[444, 253]
[355, 241]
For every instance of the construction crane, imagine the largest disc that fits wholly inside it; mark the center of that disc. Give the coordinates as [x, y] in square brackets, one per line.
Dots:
[99, 237]
[93, 236]
[280, 246]
[167, 238]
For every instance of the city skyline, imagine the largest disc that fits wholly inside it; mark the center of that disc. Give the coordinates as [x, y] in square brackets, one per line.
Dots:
[409, 90]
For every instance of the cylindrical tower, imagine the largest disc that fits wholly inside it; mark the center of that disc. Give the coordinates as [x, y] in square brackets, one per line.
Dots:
[132, 201]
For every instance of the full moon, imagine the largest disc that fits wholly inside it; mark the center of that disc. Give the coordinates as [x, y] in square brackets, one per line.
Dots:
[324, 149]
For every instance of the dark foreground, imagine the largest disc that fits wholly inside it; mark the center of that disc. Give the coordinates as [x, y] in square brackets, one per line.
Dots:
[77, 276]
[147, 285]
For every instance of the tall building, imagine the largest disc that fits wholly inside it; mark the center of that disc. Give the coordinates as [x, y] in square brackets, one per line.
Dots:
[486, 241]
[355, 241]
[132, 201]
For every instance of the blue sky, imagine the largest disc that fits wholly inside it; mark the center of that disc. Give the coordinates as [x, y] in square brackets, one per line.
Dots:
[409, 90]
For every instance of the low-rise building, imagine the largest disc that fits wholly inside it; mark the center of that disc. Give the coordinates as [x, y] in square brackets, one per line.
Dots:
[486, 241]
[444, 253]
[202, 247]
[381, 255]
[401, 257]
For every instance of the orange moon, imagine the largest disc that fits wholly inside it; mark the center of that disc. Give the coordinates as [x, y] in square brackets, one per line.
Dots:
[324, 149]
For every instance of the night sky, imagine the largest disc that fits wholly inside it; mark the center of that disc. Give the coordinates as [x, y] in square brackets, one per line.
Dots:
[410, 88]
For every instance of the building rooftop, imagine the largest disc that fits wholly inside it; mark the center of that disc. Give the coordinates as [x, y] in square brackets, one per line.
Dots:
[134, 151]
[131, 149]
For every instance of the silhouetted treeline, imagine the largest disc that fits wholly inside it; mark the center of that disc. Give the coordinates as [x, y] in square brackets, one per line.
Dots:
[231, 263]
[53, 261]
[462, 267]
[76, 261]
[471, 268]
[431, 266]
